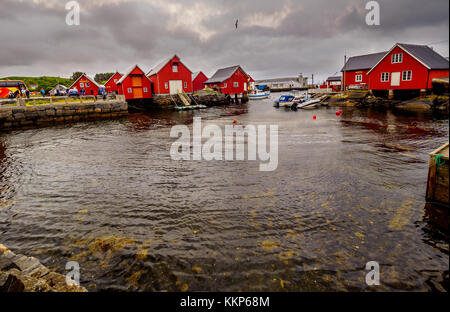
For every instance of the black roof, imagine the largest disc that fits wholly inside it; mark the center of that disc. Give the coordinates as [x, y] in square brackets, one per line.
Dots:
[426, 55]
[362, 62]
[334, 78]
[223, 74]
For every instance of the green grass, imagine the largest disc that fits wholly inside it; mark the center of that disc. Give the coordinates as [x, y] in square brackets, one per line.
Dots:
[46, 83]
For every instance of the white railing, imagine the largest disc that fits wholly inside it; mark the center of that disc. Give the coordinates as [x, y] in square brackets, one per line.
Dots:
[59, 100]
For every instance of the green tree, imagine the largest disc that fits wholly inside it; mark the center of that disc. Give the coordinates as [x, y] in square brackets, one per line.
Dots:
[102, 77]
[76, 75]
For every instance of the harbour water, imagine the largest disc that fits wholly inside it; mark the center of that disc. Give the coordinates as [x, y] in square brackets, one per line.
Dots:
[348, 190]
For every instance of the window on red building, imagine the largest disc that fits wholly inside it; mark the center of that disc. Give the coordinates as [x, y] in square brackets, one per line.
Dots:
[397, 58]
[407, 75]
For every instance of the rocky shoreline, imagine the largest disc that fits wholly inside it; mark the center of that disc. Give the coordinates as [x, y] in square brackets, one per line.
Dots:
[432, 103]
[19, 273]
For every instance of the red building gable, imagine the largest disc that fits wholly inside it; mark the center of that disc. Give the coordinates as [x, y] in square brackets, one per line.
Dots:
[171, 77]
[198, 81]
[408, 66]
[135, 85]
[230, 80]
[86, 83]
[111, 84]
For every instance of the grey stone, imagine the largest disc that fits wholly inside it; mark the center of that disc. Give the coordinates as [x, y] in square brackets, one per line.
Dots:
[30, 115]
[30, 265]
[50, 112]
[19, 116]
[10, 283]
[6, 264]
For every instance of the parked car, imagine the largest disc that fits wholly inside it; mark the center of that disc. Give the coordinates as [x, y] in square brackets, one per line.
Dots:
[74, 92]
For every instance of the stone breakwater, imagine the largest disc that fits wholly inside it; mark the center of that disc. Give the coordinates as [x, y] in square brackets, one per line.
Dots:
[19, 273]
[13, 117]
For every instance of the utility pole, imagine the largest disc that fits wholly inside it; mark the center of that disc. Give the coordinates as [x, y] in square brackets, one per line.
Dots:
[343, 77]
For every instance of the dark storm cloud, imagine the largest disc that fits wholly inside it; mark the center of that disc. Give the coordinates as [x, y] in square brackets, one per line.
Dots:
[274, 38]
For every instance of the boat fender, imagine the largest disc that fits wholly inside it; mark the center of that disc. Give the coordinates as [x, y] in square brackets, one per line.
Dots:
[314, 117]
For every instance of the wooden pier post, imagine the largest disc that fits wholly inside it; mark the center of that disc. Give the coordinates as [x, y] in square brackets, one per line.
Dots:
[437, 186]
[391, 94]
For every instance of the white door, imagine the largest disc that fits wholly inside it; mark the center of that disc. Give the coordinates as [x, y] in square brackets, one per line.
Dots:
[395, 79]
[175, 86]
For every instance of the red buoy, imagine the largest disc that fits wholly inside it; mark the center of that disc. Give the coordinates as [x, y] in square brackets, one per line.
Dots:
[314, 117]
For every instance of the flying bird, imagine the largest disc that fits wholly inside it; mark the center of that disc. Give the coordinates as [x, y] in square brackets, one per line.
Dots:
[237, 23]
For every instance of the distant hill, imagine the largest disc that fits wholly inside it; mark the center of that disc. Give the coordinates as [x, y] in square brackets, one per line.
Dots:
[46, 83]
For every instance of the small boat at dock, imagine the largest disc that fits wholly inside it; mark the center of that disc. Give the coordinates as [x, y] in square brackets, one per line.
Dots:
[258, 95]
[288, 101]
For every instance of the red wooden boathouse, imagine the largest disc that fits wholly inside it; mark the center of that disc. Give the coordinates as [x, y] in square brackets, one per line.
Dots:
[334, 83]
[111, 84]
[86, 83]
[408, 67]
[171, 77]
[356, 69]
[135, 85]
[231, 80]
[198, 81]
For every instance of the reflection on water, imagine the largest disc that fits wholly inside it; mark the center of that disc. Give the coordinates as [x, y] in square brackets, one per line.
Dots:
[347, 191]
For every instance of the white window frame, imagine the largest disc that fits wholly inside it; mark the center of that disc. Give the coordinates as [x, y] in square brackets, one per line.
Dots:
[225, 85]
[185, 84]
[145, 90]
[129, 90]
[236, 84]
[87, 85]
[81, 84]
[358, 78]
[397, 58]
[175, 68]
[385, 77]
[407, 72]
[166, 85]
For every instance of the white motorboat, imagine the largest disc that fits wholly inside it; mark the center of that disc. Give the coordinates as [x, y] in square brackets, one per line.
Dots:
[259, 95]
[286, 101]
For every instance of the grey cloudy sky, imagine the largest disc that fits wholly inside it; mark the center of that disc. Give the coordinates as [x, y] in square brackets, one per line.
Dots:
[274, 38]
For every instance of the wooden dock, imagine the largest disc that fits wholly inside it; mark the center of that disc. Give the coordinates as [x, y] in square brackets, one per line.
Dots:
[437, 188]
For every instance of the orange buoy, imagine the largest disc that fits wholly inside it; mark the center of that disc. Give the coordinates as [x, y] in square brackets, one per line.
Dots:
[235, 121]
